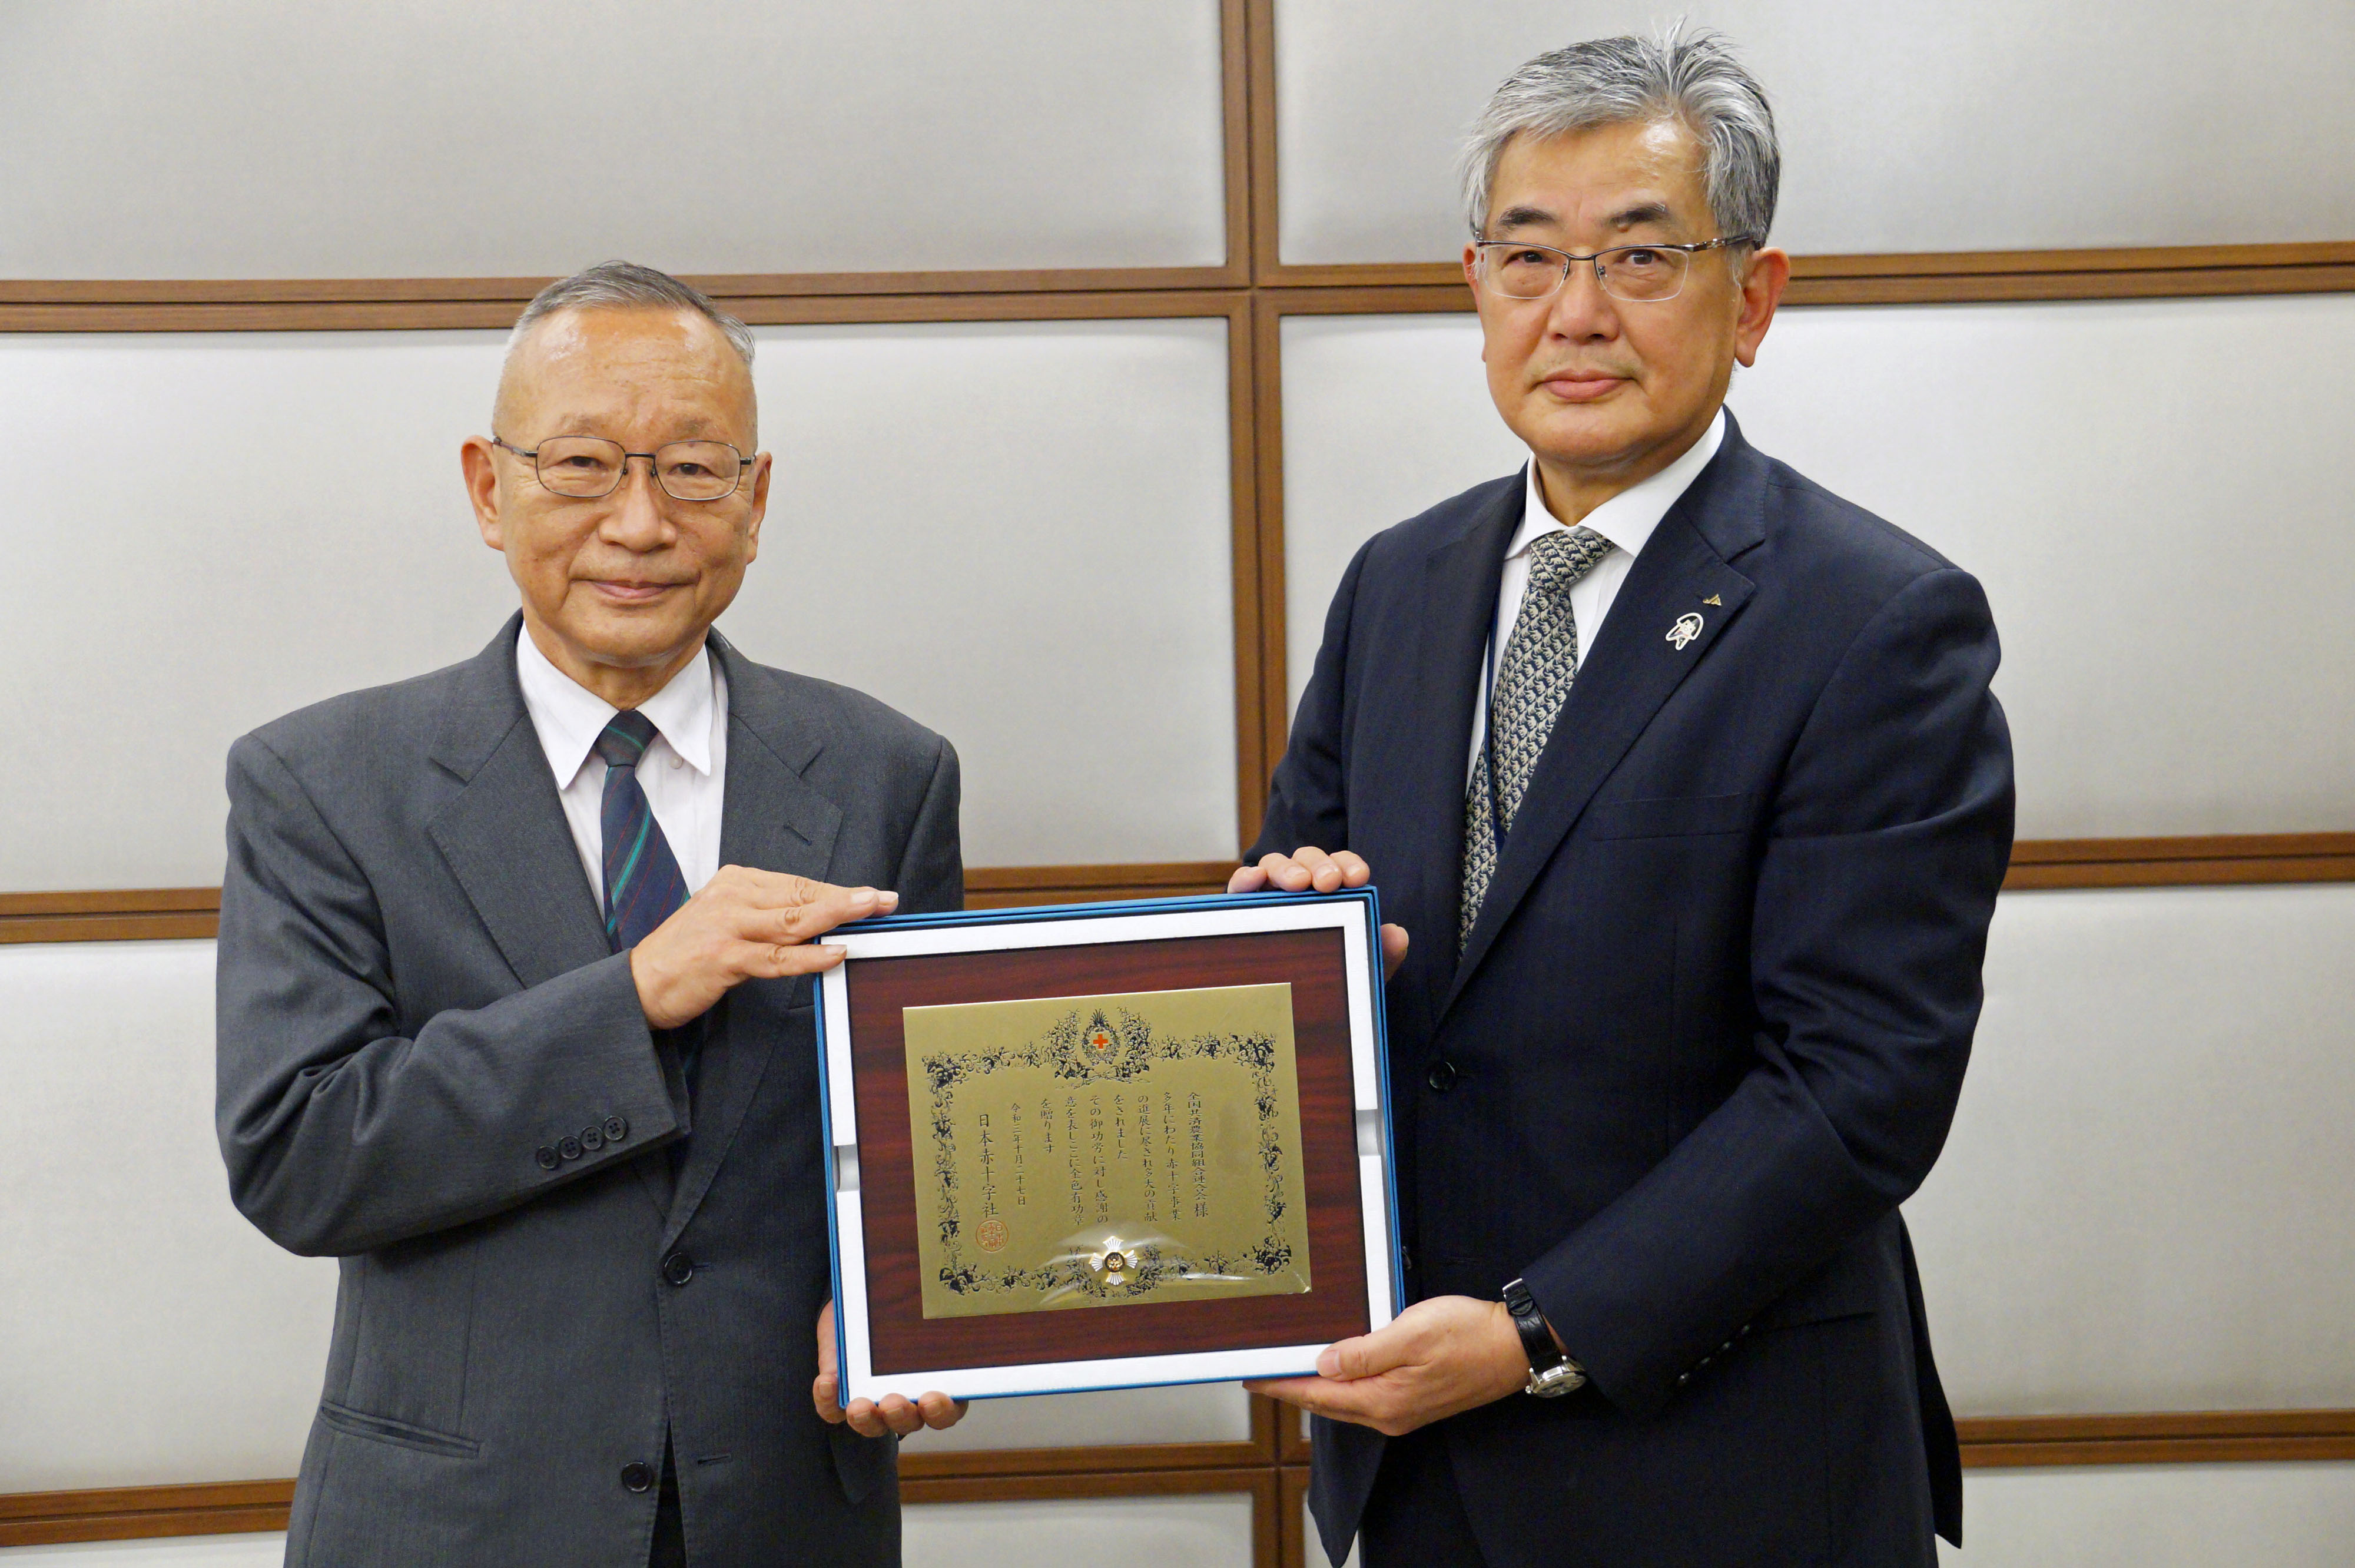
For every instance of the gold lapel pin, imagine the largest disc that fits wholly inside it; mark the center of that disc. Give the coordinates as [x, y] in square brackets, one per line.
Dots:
[1713, 599]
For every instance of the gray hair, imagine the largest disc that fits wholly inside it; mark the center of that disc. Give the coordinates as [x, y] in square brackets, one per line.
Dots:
[1689, 78]
[625, 285]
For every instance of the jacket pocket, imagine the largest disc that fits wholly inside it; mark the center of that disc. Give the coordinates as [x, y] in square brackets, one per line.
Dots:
[400, 1433]
[1672, 816]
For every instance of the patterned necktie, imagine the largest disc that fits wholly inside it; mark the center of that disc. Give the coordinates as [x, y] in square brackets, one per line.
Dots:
[1541, 662]
[643, 884]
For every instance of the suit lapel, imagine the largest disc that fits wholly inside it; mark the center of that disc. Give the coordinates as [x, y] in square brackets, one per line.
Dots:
[506, 840]
[504, 836]
[1633, 667]
[774, 820]
[1458, 609]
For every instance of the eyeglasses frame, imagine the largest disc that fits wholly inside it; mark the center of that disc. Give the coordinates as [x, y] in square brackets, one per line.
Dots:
[1571, 259]
[744, 465]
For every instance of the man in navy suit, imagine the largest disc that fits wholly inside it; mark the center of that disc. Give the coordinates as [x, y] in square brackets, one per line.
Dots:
[1684, 778]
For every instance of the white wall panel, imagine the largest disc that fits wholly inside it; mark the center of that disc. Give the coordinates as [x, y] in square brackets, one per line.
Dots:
[2149, 490]
[1019, 535]
[266, 138]
[2143, 1203]
[1211, 1531]
[1198, 1413]
[1383, 416]
[152, 1335]
[2159, 1516]
[1939, 125]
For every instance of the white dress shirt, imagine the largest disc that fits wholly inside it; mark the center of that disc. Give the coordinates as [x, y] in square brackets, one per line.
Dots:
[1626, 519]
[683, 773]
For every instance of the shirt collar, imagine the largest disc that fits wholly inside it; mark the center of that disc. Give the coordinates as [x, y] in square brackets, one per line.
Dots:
[570, 717]
[1627, 519]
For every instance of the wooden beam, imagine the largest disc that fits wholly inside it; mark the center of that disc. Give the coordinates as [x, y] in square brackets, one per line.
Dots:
[1271, 1467]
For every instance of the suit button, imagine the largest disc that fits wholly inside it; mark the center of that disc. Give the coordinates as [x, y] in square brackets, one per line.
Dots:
[592, 1139]
[1683, 1379]
[616, 1130]
[547, 1157]
[1442, 1077]
[570, 1149]
[636, 1478]
[679, 1268]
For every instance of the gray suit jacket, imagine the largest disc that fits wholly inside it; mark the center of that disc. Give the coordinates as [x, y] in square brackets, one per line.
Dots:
[415, 999]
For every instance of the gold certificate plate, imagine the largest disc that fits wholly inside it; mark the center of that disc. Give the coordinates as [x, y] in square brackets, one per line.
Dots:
[1106, 1150]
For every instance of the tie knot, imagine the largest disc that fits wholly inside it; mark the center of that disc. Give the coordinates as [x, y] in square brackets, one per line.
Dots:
[1562, 556]
[625, 739]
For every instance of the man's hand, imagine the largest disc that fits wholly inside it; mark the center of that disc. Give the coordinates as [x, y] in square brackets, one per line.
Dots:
[743, 925]
[1310, 869]
[867, 1418]
[1437, 1358]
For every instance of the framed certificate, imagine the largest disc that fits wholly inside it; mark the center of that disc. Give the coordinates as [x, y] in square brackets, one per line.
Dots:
[1103, 1146]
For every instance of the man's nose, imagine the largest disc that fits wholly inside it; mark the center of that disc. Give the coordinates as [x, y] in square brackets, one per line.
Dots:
[1580, 309]
[637, 519]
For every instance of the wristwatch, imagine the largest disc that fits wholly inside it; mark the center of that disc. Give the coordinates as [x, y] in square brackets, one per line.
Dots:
[1552, 1373]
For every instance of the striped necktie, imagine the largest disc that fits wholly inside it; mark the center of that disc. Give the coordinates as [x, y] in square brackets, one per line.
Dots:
[643, 882]
[1539, 664]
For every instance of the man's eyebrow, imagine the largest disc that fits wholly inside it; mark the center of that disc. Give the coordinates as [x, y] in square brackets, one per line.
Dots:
[1521, 218]
[694, 427]
[1643, 212]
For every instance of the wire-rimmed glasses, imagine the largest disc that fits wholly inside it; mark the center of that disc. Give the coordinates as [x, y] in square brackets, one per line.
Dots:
[590, 467]
[1641, 274]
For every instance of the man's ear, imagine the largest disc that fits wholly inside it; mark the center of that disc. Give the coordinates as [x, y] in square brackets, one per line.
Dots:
[481, 469]
[1763, 283]
[763, 466]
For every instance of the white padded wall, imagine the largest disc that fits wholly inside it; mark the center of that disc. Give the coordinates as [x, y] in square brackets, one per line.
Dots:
[1383, 416]
[2149, 490]
[2158, 1516]
[1021, 535]
[1013, 533]
[202, 570]
[152, 1334]
[1208, 1531]
[1193, 1413]
[528, 137]
[2143, 1203]
[1937, 125]
[155, 1336]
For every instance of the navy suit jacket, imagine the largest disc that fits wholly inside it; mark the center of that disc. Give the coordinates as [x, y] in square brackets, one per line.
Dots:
[1708, 1030]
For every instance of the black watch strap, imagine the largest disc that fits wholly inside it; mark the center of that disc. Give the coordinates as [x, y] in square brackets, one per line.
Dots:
[1552, 1373]
[1536, 1338]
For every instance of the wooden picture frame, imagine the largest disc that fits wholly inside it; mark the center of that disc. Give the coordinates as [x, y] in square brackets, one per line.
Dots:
[1326, 947]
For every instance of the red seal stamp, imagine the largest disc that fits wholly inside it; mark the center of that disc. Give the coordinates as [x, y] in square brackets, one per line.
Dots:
[991, 1235]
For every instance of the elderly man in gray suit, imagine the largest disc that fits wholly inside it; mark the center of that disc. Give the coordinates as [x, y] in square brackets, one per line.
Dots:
[515, 1006]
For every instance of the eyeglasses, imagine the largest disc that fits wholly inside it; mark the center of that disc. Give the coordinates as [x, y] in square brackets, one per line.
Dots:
[1642, 275]
[587, 467]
